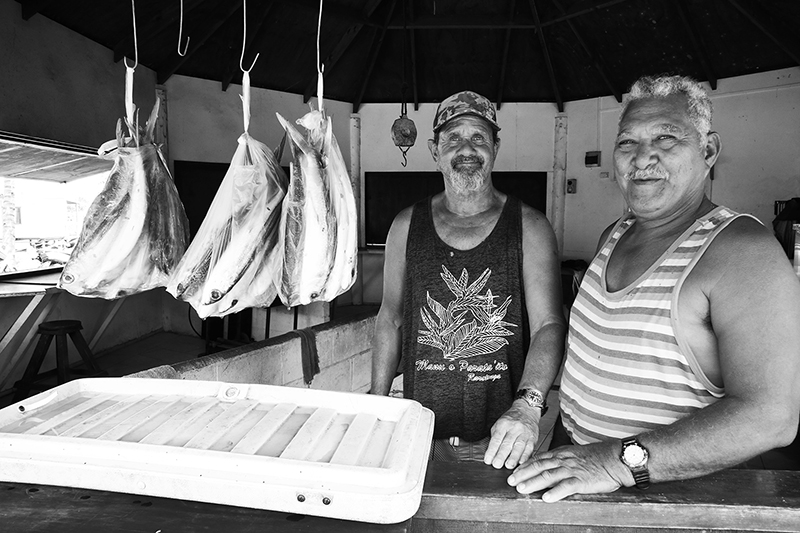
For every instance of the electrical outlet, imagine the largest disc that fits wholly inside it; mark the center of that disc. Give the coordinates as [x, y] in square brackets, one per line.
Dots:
[572, 186]
[604, 175]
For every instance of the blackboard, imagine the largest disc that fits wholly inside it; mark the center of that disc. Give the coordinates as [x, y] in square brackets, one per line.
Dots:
[387, 193]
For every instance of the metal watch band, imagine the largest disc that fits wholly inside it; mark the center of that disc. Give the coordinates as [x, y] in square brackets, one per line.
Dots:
[532, 397]
[641, 475]
[642, 479]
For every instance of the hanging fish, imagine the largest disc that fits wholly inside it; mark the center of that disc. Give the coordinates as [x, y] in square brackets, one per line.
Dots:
[318, 225]
[229, 265]
[136, 229]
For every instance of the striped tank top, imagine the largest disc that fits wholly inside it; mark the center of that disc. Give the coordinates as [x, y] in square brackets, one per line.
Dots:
[628, 369]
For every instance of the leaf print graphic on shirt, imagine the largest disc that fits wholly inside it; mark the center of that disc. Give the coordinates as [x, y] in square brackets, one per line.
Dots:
[471, 324]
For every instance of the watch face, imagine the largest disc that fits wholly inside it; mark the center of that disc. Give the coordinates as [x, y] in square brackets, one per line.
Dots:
[634, 455]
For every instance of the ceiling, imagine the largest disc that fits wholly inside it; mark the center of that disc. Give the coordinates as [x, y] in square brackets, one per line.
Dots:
[509, 50]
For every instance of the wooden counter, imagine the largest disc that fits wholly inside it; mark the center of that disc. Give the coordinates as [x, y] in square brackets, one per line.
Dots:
[457, 497]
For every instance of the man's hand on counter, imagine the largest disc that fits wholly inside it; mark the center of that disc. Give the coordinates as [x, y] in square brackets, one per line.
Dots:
[514, 436]
[567, 470]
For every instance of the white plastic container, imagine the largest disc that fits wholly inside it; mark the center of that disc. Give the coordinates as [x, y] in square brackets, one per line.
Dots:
[332, 454]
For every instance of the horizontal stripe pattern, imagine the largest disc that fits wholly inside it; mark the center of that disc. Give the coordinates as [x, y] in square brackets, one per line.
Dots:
[625, 372]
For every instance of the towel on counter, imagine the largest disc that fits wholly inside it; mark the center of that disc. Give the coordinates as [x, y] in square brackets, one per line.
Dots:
[308, 354]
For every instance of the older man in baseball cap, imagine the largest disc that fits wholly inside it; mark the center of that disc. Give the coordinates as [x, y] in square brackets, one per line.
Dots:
[471, 300]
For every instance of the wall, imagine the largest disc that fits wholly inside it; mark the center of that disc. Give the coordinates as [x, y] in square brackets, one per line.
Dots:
[343, 349]
[59, 85]
[56, 84]
[758, 117]
[204, 123]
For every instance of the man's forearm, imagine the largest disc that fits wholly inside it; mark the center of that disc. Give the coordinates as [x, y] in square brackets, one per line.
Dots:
[385, 356]
[544, 357]
[719, 436]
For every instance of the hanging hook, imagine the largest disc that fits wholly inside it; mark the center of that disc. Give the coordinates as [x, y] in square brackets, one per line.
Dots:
[244, 42]
[320, 66]
[135, 42]
[180, 36]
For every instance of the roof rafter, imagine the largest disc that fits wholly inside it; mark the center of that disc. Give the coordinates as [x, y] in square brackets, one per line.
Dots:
[504, 57]
[200, 37]
[768, 28]
[152, 27]
[375, 50]
[413, 45]
[494, 23]
[597, 60]
[254, 42]
[341, 47]
[32, 7]
[697, 44]
[551, 73]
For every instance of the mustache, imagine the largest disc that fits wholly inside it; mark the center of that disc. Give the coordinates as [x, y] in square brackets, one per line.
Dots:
[646, 173]
[466, 159]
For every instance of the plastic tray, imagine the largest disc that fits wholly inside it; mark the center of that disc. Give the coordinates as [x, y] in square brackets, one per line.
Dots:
[333, 454]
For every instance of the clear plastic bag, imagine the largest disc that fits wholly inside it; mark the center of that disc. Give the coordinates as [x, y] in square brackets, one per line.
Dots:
[318, 231]
[136, 230]
[230, 263]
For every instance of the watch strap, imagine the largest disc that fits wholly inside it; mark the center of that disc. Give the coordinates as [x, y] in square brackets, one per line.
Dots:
[532, 397]
[641, 475]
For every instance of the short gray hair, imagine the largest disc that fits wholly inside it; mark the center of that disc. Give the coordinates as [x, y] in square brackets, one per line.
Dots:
[663, 86]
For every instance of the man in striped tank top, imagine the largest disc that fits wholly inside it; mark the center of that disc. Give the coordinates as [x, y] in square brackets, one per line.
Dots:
[684, 340]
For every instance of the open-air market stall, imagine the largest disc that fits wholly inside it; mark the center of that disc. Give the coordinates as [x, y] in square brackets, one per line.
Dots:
[556, 70]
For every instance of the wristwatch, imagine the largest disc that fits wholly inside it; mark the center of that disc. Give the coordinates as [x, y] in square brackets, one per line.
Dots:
[635, 457]
[533, 397]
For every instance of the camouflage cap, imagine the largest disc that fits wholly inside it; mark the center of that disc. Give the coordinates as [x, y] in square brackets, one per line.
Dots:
[465, 103]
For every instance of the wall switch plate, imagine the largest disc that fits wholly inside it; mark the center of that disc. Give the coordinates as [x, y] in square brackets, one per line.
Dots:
[572, 186]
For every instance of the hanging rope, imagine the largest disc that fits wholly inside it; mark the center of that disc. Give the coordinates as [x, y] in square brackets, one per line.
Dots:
[245, 72]
[320, 66]
[180, 36]
[130, 109]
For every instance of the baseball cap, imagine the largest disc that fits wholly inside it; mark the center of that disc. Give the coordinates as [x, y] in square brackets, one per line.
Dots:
[465, 103]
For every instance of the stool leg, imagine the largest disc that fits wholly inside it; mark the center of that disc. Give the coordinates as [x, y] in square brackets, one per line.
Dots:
[32, 370]
[86, 353]
[62, 358]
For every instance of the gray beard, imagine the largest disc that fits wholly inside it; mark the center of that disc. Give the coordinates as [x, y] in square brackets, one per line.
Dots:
[465, 181]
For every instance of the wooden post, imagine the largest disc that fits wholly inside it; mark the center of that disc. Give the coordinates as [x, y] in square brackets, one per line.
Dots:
[357, 291]
[555, 208]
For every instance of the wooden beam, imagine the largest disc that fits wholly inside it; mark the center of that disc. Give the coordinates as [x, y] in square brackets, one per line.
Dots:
[375, 51]
[341, 47]
[504, 57]
[335, 10]
[697, 45]
[257, 36]
[551, 73]
[32, 7]
[768, 28]
[489, 23]
[199, 38]
[413, 46]
[596, 60]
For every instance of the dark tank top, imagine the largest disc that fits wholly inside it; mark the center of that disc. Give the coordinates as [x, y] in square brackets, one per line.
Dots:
[465, 329]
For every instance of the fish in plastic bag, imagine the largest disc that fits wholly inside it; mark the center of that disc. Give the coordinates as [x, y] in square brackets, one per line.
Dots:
[136, 229]
[230, 263]
[318, 231]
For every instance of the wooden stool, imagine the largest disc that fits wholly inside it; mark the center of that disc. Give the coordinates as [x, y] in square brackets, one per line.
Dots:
[58, 329]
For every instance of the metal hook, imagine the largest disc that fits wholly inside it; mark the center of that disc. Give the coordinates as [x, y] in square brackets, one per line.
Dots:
[180, 36]
[135, 41]
[244, 42]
